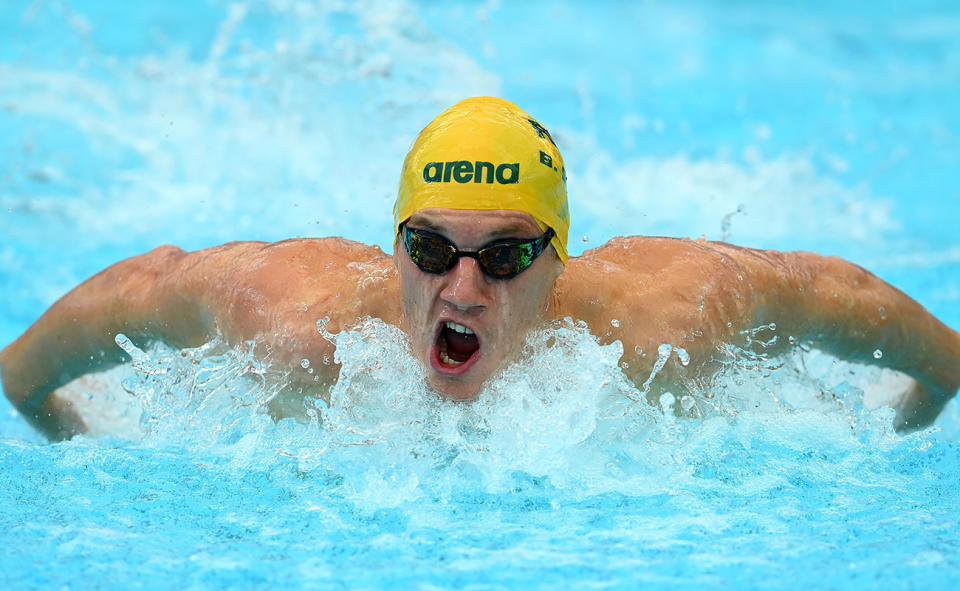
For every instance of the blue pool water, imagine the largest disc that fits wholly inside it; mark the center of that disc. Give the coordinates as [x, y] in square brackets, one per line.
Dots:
[820, 126]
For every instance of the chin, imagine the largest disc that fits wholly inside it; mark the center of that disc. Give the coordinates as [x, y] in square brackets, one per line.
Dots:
[455, 391]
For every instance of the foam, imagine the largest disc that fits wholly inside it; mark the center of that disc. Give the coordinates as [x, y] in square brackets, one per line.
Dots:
[564, 414]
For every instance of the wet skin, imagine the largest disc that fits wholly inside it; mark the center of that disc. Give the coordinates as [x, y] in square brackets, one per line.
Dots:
[499, 312]
[694, 294]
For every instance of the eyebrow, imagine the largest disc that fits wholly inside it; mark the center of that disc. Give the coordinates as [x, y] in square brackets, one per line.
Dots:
[513, 229]
[426, 224]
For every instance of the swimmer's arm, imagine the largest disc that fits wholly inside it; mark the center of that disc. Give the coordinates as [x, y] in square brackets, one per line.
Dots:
[847, 311]
[137, 297]
[269, 293]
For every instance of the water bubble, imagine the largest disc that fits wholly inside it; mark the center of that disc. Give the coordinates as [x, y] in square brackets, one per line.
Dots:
[683, 356]
[667, 401]
[322, 329]
[127, 345]
[615, 323]
[883, 312]
[663, 354]
[877, 354]
[585, 239]
[687, 402]
[304, 363]
[139, 359]
[638, 350]
[310, 370]
[129, 385]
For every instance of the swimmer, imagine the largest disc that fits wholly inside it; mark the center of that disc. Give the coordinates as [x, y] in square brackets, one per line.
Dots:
[479, 259]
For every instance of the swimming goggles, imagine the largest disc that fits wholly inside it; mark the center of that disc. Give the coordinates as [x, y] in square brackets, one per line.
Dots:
[501, 259]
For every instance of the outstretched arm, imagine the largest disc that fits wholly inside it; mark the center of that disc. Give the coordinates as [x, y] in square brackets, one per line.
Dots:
[847, 311]
[697, 294]
[272, 293]
[75, 336]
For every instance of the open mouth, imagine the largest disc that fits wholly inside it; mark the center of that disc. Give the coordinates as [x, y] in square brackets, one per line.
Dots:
[455, 349]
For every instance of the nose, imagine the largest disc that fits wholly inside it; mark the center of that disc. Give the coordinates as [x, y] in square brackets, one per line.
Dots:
[465, 287]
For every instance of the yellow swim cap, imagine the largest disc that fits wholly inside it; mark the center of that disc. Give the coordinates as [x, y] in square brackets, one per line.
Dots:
[486, 153]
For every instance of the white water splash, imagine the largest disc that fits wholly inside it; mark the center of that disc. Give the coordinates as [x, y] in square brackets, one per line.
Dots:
[565, 414]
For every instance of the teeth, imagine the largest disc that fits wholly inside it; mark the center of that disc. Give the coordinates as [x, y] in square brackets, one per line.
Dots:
[443, 354]
[446, 360]
[458, 327]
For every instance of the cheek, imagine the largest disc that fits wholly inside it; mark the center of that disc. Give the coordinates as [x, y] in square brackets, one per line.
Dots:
[523, 305]
[416, 298]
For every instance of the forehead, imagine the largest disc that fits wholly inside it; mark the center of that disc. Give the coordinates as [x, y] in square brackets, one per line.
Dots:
[475, 223]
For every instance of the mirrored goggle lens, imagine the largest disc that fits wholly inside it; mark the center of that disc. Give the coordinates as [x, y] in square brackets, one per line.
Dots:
[430, 254]
[507, 260]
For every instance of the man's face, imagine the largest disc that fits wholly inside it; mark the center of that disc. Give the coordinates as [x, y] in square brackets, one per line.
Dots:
[441, 311]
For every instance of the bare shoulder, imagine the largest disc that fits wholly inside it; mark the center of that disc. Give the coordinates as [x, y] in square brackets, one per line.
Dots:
[313, 252]
[645, 291]
[310, 260]
[260, 288]
[656, 253]
[652, 264]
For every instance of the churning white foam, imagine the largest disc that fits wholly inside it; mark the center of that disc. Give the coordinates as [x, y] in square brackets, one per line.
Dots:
[564, 414]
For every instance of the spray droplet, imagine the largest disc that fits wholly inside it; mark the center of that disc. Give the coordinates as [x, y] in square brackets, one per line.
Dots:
[322, 328]
[586, 239]
[666, 401]
[683, 356]
[727, 222]
[124, 343]
[615, 323]
[304, 363]
[877, 354]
